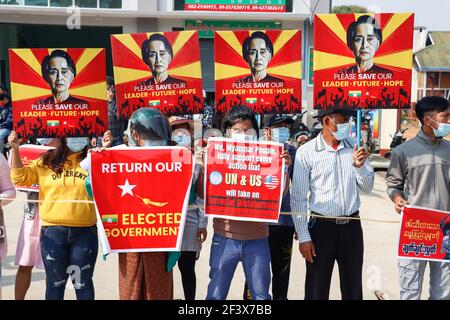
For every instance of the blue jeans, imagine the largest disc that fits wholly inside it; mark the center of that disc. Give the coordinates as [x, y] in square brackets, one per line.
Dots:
[69, 251]
[225, 256]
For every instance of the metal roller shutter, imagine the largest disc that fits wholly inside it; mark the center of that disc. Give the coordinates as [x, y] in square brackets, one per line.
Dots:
[207, 56]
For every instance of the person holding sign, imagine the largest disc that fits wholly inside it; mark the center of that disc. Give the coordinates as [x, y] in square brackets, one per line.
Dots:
[419, 174]
[245, 241]
[157, 53]
[28, 252]
[143, 275]
[333, 171]
[194, 233]
[7, 193]
[69, 242]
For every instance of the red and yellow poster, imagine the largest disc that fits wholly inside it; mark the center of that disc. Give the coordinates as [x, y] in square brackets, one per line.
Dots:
[59, 92]
[259, 69]
[243, 180]
[363, 60]
[424, 234]
[141, 196]
[160, 70]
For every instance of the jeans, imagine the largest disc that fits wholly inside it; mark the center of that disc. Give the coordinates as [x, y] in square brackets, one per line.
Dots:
[411, 279]
[69, 250]
[225, 256]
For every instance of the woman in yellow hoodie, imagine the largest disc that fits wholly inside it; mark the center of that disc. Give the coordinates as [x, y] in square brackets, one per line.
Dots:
[69, 242]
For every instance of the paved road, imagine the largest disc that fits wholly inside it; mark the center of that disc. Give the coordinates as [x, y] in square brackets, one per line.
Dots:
[380, 270]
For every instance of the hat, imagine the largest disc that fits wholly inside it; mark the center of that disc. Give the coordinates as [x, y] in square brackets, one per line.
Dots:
[325, 112]
[176, 120]
[279, 118]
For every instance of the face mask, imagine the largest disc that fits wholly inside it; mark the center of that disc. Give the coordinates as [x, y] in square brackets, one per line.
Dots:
[154, 143]
[343, 130]
[243, 137]
[2, 96]
[280, 135]
[76, 144]
[442, 131]
[44, 141]
[183, 140]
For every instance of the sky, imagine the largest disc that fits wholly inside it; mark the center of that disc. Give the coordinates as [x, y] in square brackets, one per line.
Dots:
[432, 14]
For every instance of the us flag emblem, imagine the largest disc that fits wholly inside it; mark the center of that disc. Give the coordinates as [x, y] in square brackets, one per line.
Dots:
[271, 182]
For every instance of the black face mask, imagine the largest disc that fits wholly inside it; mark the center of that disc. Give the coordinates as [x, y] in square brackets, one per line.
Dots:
[2, 96]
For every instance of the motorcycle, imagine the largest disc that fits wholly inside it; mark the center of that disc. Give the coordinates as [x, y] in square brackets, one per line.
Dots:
[397, 140]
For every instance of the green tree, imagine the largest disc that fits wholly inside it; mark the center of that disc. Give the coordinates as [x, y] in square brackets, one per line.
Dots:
[349, 9]
[8, 2]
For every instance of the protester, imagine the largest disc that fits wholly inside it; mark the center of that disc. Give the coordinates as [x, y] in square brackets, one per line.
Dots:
[419, 174]
[244, 241]
[7, 194]
[194, 233]
[69, 242]
[333, 170]
[281, 234]
[143, 275]
[28, 251]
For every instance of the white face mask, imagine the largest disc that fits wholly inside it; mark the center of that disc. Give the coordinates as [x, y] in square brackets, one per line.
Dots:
[243, 137]
[76, 144]
[343, 130]
[44, 141]
[443, 129]
[155, 143]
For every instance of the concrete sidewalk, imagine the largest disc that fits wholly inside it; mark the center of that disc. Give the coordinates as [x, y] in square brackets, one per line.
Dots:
[380, 264]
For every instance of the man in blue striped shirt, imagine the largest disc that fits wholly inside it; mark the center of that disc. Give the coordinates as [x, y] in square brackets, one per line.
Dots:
[332, 170]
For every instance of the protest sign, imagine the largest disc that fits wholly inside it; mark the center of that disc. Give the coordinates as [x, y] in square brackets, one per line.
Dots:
[424, 234]
[258, 69]
[59, 92]
[160, 70]
[141, 197]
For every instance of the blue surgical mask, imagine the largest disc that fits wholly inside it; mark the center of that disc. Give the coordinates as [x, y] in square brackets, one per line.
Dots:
[343, 130]
[76, 144]
[280, 135]
[44, 141]
[155, 143]
[443, 130]
[182, 140]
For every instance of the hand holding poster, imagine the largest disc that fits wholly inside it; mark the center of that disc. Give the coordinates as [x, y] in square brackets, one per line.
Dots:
[141, 197]
[59, 92]
[28, 153]
[243, 180]
[261, 70]
[363, 60]
[160, 70]
[424, 234]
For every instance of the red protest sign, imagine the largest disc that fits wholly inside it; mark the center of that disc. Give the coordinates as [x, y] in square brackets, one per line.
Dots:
[141, 197]
[261, 70]
[363, 60]
[59, 92]
[28, 153]
[160, 70]
[243, 180]
[424, 234]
